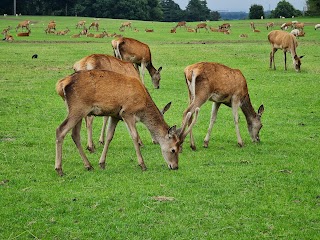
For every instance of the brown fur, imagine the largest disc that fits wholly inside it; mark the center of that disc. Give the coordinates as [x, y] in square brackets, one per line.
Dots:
[24, 34]
[106, 93]
[288, 43]
[81, 23]
[139, 53]
[201, 25]
[207, 81]
[94, 25]
[181, 24]
[24, 24]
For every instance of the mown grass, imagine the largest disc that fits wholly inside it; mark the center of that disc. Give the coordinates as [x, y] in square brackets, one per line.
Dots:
[266, 190]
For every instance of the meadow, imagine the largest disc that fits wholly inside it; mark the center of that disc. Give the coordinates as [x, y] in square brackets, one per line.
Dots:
[269, 190]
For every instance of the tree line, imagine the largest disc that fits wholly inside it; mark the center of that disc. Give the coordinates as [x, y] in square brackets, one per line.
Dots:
[147, 10]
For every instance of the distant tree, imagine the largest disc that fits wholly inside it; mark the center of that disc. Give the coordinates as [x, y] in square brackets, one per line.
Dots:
[197, 10]
[313, 7]
[256, 11]
[214, 16]
[284, 9]
[171, 11]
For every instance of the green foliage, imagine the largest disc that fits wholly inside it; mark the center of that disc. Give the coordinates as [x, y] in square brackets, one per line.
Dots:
[285, 9]
[171, 11]
[313, 7]
[197, 10]
[261, 191]
[256, 11]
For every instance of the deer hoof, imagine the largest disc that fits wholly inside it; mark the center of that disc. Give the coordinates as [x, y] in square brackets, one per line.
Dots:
[205, 144]
[240, 144]
[143, 167]
[91, 149]
[194, 148]
[59, 171]
[102, 165]
[89, 168]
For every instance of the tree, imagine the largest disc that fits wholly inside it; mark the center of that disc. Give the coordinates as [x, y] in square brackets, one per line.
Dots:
[256, 12]
[171, 11]
[197, 10]
[313, 7]
[284, 9]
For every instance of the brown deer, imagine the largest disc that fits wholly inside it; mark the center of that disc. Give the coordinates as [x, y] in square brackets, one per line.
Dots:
[201, 25]
[94, 25]
[255, 30]
[270, 25]
[225, 26]
[129, 49]
[24, 24]
[7, 36]
[181, 24]
[208, 81]
[51, 28]
[252, 25]
[124, 98]
[173, 30]
[288, 43]
[126, 24]
[100, 35]
[81, 23]
[149, 30]
[106, 62]
[24, 34]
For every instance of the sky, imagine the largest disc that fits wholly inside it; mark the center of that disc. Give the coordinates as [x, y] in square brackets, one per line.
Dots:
[242, 5]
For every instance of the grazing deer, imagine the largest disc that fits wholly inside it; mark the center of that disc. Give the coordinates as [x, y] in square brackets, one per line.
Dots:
[81, 23]
[288, 43]
[285, 26]
[106, 62]
[94, 25]
[129, 49]
[201, 25]
[173, 30]
[181, 24]
[124, 98]
[225, 26]
[24, 34]
[126, 24]
[25, 24]
[208, 81]
[270, 25]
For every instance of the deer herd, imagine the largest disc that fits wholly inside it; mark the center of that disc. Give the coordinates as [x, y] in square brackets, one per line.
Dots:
[114, 87]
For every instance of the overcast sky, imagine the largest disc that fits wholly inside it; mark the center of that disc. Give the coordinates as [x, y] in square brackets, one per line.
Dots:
[243, 5]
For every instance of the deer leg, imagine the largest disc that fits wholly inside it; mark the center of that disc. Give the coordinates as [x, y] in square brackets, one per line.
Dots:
[235, 106]
[214, 111]
[143, 70]
[103, 129]
[90, 144]
[131, 125]
[76, 138]
[110, 133]
[285, 60]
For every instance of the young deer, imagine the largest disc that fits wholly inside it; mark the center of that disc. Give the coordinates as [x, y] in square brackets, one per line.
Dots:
[139, 54]
[207, 81]
[288, 43]
[106, 93]
[107, 62]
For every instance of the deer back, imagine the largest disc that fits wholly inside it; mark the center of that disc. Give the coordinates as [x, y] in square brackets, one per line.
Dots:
[133, 50]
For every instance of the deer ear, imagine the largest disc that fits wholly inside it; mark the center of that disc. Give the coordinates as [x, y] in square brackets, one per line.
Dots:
[160, 68]
[172, 131]
[260, 110]
[166, 108]
[301, 57]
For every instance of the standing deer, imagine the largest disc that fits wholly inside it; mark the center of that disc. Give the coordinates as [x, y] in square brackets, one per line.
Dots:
[201, 25]
[103, 61]
[270, 25]
[94, 25]
[181, 24]
[129, 49]
[208, 81]
[81, 23]
[24, 24]
[106, 93]
[288, 43]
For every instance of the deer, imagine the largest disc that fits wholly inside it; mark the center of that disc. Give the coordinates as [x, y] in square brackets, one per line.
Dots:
[210, 81]
[225, 26]
[24, 34]
[201, 25]
[107, 62]
[270, 25]
[24, 24]
[76, 35]
[124, 98]
[316, 26]
[132, 50]
[7, 36]
[51, 26]
[182, 24]
[288, 43]
[299, 26]
[285, 26]
[100, 35]
[94, 25]
[126, 24]
[173, 30]
[81, 23]
[252, 25]
[255, 30]
[149, 30]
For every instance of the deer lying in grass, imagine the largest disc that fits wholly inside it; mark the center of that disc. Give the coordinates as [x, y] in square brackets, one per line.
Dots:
[173, 30]
[6, 35]
[24, 34]
[24, 24]
[288, 43]
[106, 62]
[101, 35]
[129, 49]
[201, 25]
[124, 98]
[94, 25]
[225, 26]
[149, 30]
[208, 81]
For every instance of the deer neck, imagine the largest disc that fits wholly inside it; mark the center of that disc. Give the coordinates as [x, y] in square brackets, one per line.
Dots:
[151, 68]
[248, 109]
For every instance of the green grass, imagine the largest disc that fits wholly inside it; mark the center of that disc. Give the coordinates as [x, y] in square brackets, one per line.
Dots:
[262, 191]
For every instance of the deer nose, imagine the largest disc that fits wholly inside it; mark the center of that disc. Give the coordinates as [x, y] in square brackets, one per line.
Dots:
[173, 168]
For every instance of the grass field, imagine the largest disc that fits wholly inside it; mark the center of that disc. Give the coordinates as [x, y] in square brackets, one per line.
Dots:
[269, 190]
